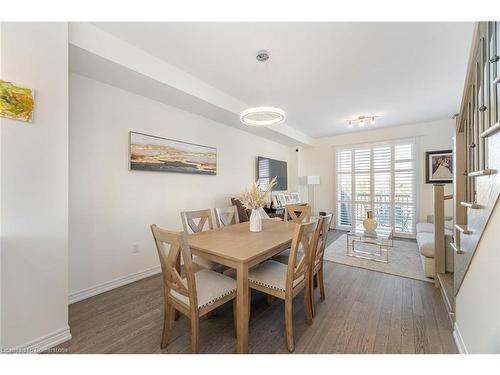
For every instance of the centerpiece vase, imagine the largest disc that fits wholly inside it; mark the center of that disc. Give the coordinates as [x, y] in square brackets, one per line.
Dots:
[255, 221]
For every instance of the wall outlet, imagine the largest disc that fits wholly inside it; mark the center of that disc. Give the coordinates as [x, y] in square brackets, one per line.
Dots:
[136, 248]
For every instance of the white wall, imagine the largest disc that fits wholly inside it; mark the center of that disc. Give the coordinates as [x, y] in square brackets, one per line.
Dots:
[111, 207]
[34, 188]
[320, 159]
[478, 300]
[1, 304]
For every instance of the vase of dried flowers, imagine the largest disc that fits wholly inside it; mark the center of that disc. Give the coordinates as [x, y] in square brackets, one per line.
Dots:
[254, 199]
[255, 221]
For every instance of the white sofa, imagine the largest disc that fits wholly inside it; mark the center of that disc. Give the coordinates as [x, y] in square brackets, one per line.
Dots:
[425, 241]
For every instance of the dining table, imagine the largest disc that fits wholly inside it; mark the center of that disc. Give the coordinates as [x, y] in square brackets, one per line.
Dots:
[235, 246]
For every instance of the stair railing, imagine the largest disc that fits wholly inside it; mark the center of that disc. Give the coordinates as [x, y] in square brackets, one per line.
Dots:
[476, 144]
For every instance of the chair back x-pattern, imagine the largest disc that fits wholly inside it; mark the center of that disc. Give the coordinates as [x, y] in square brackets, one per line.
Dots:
[226, 216]
[298, 214]
[170, 263]
[321, 236]
[303, 235]
[204, 216]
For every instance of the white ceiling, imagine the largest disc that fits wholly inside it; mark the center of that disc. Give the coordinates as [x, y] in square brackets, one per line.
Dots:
[320, 73]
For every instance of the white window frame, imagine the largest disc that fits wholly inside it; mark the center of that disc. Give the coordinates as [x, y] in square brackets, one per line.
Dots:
[372, 145]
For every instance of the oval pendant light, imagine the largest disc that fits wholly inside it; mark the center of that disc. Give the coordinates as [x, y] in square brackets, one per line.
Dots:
[262, 116]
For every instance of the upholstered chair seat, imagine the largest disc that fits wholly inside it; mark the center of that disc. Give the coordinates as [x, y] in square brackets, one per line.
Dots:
[211, 287]
[271, 275]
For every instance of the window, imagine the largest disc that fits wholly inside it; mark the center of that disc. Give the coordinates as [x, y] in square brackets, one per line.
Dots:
[378, 177]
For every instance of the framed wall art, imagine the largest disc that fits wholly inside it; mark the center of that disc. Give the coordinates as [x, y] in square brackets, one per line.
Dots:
[16, 102]
[152, 153]
[439, 167]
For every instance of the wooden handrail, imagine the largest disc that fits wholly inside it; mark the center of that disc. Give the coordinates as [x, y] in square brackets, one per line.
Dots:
[491, 130]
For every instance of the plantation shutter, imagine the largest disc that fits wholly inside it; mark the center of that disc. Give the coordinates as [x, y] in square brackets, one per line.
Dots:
[378, 177]
[344, 190]
[404, 187]
[382, 186]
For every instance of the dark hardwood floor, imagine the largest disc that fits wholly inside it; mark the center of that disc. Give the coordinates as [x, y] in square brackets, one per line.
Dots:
[364, 312]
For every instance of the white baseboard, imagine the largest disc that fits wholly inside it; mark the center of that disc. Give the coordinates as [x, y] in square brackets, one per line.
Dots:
[43, 343]
[459, 341]
[109, 285]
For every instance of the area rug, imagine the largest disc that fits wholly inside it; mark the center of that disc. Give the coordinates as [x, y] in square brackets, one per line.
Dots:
[404, 258]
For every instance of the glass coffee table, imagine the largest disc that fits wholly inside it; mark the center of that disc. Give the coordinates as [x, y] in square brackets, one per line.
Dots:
[381, 241]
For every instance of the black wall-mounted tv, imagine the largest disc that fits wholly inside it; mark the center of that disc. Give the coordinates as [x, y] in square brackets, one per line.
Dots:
[267, 169]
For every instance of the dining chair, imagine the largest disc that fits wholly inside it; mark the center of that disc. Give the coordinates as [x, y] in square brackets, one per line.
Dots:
[195, 294]
[226, 216]
[317, 256]
[286, 281]
[203, 216]
[297, 213]
[195, 222]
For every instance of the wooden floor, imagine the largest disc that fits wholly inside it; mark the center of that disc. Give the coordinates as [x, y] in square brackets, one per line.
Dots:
[364, 312]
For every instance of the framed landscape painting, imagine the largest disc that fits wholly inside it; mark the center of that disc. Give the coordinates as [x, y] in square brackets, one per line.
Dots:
[439, 167]
[151, 153]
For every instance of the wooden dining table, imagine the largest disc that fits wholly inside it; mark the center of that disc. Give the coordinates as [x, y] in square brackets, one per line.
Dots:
[236, 247]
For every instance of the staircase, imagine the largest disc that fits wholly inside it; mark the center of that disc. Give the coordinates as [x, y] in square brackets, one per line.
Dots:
[477, 148]
[486, 189]
[476, 154]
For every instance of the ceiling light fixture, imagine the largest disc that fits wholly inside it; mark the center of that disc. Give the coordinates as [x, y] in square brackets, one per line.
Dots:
[362, 121]
[262, 116]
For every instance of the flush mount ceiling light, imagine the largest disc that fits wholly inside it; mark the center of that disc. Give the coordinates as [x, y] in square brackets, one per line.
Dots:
[262, 116]
[362, 121]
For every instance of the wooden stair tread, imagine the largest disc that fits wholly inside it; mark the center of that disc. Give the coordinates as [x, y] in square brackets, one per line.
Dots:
[470, 205]
[482, 172]
[462, 229]
[455, 248]
[491, 130]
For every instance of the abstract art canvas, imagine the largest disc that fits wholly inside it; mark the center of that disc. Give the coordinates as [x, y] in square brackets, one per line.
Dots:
[151, 153]
[439, 167]
[16, 102]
